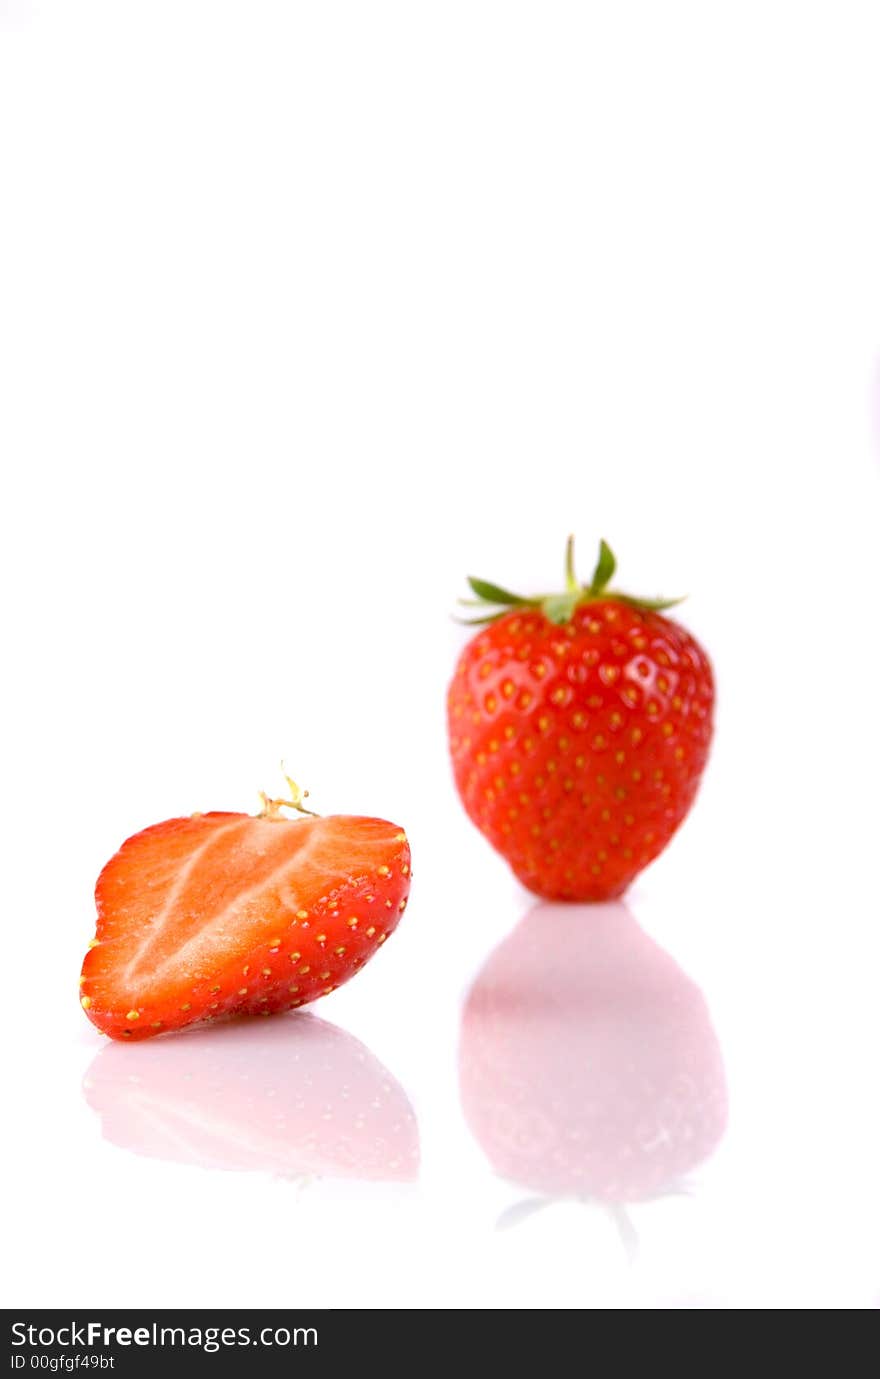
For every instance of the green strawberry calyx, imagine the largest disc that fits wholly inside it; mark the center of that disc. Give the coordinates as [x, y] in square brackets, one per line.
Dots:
[493, 602]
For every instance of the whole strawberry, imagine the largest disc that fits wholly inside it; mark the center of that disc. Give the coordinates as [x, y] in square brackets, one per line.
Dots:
[222, 914]
[579, 726]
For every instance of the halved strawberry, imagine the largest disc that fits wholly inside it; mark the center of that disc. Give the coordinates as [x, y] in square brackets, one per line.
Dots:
[229, 914]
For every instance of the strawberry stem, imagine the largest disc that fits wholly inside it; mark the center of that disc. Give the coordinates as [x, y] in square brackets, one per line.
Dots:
[272, 808]
[571, 583]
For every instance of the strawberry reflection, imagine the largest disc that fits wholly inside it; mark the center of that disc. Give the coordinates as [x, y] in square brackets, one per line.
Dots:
[294, 1096]
[588, 1065]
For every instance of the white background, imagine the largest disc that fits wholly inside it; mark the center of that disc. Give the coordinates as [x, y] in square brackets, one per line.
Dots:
[308, 310]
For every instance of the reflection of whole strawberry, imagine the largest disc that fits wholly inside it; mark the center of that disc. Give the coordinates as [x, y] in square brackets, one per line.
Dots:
[297, 1097]
[588, 1062]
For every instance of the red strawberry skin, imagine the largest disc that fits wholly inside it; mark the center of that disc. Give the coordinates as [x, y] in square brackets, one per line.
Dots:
[577, 749]
[219, 914]
[588, 1064]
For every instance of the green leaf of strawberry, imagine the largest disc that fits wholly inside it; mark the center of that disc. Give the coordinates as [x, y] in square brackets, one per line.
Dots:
[559, 608]
[604, 571]
[492, 593]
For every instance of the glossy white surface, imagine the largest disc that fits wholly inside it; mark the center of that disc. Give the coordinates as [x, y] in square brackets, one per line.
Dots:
[308, 310]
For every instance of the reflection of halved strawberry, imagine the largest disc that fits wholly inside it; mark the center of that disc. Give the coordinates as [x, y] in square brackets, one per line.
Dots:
[588, 1062]
[295, 1097]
